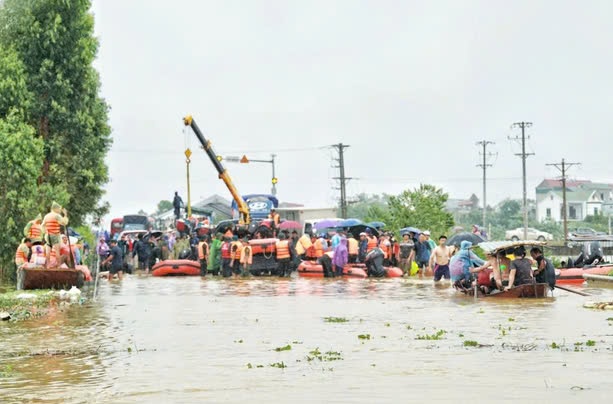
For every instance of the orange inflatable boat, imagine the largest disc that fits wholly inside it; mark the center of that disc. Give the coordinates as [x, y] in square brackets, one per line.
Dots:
[311, 269]
[575, 275]
[264, 256]
[176, 268]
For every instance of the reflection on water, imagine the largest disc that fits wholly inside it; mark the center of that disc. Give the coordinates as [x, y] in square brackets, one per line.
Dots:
[186, 340]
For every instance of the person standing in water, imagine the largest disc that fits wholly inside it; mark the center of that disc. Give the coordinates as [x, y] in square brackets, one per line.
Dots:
[439, 260]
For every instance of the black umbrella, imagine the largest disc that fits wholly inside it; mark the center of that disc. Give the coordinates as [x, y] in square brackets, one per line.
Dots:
[458, 238]
[361, 228]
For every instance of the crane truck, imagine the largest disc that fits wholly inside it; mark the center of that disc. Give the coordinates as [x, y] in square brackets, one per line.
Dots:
[243, 208]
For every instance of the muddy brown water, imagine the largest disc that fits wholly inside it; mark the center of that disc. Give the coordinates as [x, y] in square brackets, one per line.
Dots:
[190, 340]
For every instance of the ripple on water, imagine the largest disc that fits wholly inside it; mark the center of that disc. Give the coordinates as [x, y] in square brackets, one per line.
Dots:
[187, 339]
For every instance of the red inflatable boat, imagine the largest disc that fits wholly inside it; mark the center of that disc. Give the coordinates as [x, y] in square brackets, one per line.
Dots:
[176, 268]
[575, 275]
[311, 269]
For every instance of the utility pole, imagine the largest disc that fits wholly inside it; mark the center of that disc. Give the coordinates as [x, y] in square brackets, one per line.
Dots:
[484, 166]
[342, 178]
[563, 166]
[524, 156]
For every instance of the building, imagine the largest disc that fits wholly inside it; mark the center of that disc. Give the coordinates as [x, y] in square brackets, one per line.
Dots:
[215, 207]
[583, 198]
[462, 205]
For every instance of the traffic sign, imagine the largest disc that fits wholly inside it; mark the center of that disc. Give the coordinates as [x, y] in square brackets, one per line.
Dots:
[232, 159]
[244, 159]
[188, 153]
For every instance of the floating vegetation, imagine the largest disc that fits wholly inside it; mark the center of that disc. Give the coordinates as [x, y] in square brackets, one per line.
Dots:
[249, 366]
[6, 371]
[511, 319]
[364, 336]
[280, 365]
[328, 356]
[599, 305]
[409, 327]
[519, 347]
[287, 347]
[297, 342]
[590, 343]
[336, 320]
[554, 345]
[471, 343]
[388, 325]
[461, 335]
[240, 341]
[432, 337]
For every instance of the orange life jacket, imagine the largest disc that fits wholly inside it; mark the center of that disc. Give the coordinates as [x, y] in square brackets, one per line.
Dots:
[225, 251]
[387, 249]
[246, 256]
[275, 218]
[52, 225]
[236, 248]
[21, 257]
[203, 250]
[372, 243]
[352, 246]
[303, 244]
[35, 231]
[282, 249]
[319, 248]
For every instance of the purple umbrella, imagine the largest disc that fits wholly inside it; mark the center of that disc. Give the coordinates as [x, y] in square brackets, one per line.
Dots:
[327, 224]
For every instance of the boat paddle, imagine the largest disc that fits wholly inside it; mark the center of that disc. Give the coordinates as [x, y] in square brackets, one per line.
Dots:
[71, 258]
[572, 291]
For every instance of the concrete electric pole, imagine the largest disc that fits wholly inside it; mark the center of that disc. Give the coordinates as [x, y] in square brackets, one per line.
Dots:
[342, 178]
[563, 166]
[484, 165]
[524, 156]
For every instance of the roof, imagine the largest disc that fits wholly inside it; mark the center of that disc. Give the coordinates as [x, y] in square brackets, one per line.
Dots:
[493, 246]
[556, 183]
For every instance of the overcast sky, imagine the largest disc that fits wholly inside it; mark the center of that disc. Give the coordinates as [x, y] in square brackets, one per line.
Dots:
[410, 85]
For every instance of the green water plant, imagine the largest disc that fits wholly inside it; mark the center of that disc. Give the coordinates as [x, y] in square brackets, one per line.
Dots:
[471, 343]
[287, 347]
[336, 320]
[364, 336]
[429, 337]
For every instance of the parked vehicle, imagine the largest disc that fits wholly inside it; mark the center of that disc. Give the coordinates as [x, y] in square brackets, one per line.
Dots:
[585, 232]
[533, 234]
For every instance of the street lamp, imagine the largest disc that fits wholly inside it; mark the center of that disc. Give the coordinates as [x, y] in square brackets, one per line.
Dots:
[245, 160]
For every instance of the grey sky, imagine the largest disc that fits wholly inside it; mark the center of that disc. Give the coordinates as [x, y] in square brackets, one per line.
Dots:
[410, 85]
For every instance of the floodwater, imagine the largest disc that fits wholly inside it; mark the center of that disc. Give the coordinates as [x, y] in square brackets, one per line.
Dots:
[190, 340]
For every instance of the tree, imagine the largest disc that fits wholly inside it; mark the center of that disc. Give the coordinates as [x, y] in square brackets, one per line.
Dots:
[423, 207]
[54, 40]
[163, 206]
[21, 160]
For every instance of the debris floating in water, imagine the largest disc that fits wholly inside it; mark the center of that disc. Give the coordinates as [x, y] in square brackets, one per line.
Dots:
[598, 305]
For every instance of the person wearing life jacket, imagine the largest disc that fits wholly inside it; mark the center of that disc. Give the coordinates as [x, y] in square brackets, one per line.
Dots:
[51, 226]
[275, 220]
[22, 255]
[236, 248]
[34, 230]
[353, 248]
[386, 246]
[203, 253]
[303, 244]
[226, 258]
[320, 245]
[283, 256]
[246, 259]
[371, 240]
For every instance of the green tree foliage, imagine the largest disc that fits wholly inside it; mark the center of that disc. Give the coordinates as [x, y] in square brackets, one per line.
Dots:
[21, 159]
[14, 94]
[163, 206]
[55, 42]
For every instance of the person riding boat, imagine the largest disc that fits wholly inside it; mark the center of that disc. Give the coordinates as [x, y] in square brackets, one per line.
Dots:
[33, 229]
[462, 266]
[51, 225]
[521, 269]
[23, 252]
[545, 271]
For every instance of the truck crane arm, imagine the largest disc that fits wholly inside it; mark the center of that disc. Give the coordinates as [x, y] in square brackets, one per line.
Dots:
[223, 173]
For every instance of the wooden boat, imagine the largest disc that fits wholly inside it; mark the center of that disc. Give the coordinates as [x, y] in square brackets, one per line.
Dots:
[311, 269]
[34, 277]
[176, 268]
[575, 275]
[535, 290]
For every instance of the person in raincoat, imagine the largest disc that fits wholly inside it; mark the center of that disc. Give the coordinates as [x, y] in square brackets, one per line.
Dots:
[341, 256]
[214, 262]
[462, 266]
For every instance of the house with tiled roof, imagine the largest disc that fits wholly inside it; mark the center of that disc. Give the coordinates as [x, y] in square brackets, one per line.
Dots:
[583, 198]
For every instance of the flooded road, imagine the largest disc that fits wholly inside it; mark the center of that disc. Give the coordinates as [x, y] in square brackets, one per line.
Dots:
[191, 340]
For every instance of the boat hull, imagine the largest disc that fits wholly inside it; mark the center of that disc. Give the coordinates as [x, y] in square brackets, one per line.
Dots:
[176, 268]
[537, 290]
[310, 269]
[60, 278]
[575, 275]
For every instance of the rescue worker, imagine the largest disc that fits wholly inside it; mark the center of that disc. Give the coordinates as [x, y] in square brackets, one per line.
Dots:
[363, 246]
[22, 255]
[226, 257]
[51, 225]
[545, 271]
[236, 248]
[371, 240]
[246, 258]
[142, 249]
[283, 256]
[386, 246]
[302, 246]
[320, 245]
[405, 252]
[275, 219]
[374, 263]
[177, 204]
[353, 248]
[203, 253]
[33, 229]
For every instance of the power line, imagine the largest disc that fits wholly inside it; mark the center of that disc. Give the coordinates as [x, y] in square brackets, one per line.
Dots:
[484, 165]
[524, 156]
[563, 166]
[340, 148]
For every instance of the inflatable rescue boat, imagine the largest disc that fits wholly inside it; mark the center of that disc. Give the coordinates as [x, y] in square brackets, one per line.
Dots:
[176, 268]
[575, 275]
[311, 269]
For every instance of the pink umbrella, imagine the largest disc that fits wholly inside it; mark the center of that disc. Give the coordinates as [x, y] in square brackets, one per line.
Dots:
[289, 224]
